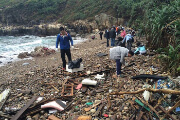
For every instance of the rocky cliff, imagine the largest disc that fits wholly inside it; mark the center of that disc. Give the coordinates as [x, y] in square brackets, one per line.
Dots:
[100, 21]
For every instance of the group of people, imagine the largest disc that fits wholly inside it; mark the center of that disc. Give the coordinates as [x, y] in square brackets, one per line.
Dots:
[117, 53]
[123, 48]
[120, 34]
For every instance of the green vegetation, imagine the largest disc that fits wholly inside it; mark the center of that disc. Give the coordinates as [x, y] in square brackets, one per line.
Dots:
[159, 20]
[24, 11]
[160, 23]
[170, 59]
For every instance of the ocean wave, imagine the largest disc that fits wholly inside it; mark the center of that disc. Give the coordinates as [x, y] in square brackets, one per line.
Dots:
[11, 46]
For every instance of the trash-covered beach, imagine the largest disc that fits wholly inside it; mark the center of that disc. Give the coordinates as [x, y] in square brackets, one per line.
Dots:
[38, 89]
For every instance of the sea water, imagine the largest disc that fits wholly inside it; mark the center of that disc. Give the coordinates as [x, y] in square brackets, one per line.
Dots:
[11, 46]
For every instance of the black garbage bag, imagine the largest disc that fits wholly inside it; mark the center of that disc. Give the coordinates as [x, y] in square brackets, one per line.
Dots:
[75, 63]
[145, 76]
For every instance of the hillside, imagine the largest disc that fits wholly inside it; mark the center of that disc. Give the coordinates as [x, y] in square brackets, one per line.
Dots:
[31, 12]
[36, 11]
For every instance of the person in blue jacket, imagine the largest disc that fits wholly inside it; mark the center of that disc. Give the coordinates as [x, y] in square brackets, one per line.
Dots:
[128, 39]
[64, 39]
[140, 49]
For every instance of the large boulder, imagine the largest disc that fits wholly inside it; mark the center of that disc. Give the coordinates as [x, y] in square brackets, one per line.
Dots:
[42, 51]
[23, 55]
[104, 20]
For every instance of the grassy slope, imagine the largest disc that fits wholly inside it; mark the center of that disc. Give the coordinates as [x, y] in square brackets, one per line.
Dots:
[23, 11]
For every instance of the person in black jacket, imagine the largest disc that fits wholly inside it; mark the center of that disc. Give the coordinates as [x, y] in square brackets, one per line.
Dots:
[107, 36]
[101, 33]
[112, 35]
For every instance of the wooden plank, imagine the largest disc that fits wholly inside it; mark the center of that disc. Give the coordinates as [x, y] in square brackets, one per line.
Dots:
[19, 113]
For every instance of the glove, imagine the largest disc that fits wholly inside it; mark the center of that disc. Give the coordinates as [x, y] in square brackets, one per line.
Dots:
[72, 47]
[126, 64]
[56, 49]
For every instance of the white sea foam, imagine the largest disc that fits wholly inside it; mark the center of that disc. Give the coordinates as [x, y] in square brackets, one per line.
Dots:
[11, 46]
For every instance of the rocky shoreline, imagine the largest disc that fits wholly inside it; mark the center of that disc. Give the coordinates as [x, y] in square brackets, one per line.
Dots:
[43, 77]
[81, 27]
[48, 29]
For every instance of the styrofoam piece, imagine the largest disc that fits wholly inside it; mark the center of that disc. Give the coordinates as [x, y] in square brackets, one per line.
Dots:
[100, 76]
[39, 99]
[75, 69]
[146, 95]
[52, 111]
[4, 94]
[87, 81]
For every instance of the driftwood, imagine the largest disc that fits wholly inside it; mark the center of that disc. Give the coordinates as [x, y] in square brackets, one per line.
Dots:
[159, 101]
[140, 115]
[121, 85]
[175, 106]
[4, 115]
[89, 108]
[166, 113]
[19, 113]
[99, 110]
[165, 91]
[55, 88]
[147, 104]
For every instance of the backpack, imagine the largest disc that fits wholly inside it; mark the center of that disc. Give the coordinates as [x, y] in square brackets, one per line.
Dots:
[132, 40]
[75, 63]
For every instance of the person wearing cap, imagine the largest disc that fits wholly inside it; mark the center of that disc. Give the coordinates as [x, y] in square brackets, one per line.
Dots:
[118, 54]
[64, 39]
[140, 49]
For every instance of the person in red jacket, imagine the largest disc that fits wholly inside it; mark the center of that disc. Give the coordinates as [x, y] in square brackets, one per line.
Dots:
[123, 33]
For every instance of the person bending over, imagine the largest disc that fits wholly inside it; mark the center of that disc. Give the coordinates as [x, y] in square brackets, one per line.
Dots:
[118, 54]
[140, 49]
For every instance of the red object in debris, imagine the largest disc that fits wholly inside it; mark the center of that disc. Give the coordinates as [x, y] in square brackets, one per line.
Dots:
[106, 115]
[79, 86]
[45, 48]
[93, 37]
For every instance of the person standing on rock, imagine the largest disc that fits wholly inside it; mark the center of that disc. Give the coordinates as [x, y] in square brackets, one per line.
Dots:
[118, 54]
[112, 35]
[64, 39]
[101, 33]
